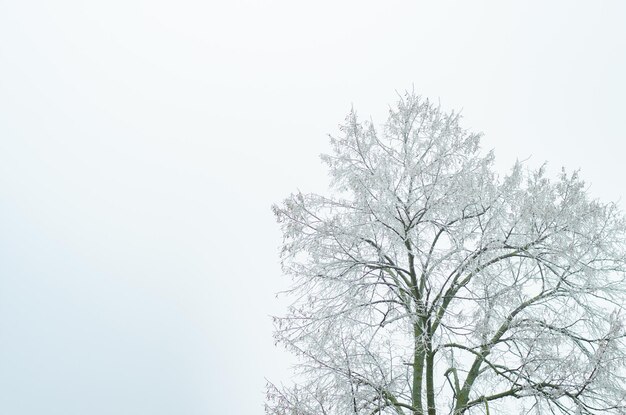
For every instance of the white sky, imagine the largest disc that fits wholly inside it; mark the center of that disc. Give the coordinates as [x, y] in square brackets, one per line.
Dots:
[142, 144]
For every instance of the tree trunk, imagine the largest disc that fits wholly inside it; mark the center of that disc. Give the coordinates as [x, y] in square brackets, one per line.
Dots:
[418, 369]
[430, 381]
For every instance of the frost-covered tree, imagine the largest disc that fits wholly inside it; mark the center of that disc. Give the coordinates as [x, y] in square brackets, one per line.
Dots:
[424, 283]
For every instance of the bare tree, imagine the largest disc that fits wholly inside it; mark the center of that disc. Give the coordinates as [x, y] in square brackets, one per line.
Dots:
[427, 284]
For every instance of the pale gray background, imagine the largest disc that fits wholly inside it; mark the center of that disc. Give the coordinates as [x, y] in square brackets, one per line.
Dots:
[143, 142]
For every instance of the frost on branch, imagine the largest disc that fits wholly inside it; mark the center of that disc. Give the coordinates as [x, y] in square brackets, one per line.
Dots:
[424, 283]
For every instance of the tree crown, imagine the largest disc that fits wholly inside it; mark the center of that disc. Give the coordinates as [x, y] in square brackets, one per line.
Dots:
[426, 284]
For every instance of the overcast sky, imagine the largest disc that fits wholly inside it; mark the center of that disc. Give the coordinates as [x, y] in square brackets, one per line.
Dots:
[142, 144]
